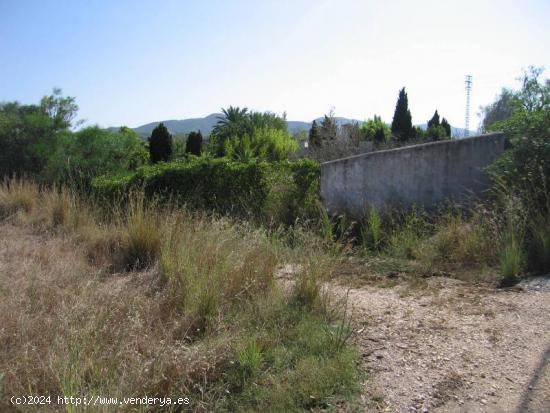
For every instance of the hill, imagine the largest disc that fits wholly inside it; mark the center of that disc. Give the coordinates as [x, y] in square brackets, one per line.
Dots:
[205, 125]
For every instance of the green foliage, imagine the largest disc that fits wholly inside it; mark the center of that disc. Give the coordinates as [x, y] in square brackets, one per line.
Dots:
[401, 125]
[193, 145]
[511, 258]
[179, 143]
[314, 137]
[539, 251]
[328, 129]
[29, 133]
[376, 130]
[434, 121]
[371, 230]
[405, 235]
[501, 109]
[445, 124]
[241, 124]
[265, 144]
[92, 151]
[278, 190]
[533, 96]
[436, 133]
[160, 144]
[524, 169]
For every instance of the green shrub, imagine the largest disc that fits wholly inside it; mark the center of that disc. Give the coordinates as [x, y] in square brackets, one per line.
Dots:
[273, 192]
[457, 240]
[91, 152]
[406, 233]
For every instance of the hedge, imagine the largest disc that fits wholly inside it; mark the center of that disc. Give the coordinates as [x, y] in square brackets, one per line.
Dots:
[277, 191]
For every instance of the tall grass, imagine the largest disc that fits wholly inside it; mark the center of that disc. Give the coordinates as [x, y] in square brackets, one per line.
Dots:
[197, 311]
[371, 230]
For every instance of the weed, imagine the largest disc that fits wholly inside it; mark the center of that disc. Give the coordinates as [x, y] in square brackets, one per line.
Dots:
[371, 231]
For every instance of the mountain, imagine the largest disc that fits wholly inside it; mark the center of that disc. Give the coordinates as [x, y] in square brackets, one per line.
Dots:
[205, 125]
[183, 126]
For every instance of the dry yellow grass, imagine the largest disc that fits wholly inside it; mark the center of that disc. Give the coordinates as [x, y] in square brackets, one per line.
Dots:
[160, 303]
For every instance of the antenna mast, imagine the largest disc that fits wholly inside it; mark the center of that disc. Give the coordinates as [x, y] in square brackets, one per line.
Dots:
[468, 83]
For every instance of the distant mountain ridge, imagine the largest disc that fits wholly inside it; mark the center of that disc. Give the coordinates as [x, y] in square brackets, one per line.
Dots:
[206, 124]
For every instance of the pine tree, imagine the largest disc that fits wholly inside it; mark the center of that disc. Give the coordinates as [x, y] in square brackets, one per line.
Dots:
[314, 137]
[160, 144]
[446, 126]
[401, 125]
[434, 121]
[193, 145]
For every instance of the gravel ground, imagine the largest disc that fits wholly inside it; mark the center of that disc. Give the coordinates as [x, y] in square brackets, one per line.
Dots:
[452, 347]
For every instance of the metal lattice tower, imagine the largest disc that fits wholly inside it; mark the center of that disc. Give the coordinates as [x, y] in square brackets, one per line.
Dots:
[468, 83]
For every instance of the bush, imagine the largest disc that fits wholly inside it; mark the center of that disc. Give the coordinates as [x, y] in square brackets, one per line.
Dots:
[263, 144]
[523, 171]
[91, 152]
[276, 192]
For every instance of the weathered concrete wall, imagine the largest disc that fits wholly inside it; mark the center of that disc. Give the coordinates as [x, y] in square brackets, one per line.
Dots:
[422, 175]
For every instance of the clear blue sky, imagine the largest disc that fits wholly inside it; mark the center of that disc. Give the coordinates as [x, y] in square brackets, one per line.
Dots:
[130, 62]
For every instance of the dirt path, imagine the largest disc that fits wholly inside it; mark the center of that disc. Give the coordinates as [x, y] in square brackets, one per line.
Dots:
[451, 347]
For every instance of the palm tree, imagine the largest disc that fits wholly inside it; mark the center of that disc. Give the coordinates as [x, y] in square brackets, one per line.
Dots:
[234, 122]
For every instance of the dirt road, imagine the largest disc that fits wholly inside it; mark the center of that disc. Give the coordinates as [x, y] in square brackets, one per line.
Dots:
[451, 347]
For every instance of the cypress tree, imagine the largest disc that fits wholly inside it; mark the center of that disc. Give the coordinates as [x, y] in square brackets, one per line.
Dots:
[446, 126]
[401, 125]
[314, 137]
[434, 121]
[160, 144]
[194, 143]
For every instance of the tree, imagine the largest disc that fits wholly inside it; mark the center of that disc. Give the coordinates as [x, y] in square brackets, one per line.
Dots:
[29, 134]
[401, 125]
[92, 151]
[434, 121]
[445, 124]
[534, 95]
[328, 129]
[498, 111]
[237, 123]
[61, 109]
[194, 143]
[376, 130]
[234, 123]
[436, 133]
[314, 138]
[160, 144]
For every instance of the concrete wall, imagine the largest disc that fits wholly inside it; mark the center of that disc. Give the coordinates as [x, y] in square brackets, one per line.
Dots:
[422, 175]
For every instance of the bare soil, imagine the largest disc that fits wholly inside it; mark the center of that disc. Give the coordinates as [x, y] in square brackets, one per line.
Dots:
[448, 346]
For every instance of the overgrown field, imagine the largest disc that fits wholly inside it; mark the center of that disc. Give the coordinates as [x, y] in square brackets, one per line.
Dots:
[145, 300]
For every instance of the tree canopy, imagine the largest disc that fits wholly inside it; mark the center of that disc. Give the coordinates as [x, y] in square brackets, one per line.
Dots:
[29, 133]
[160, 144]
[401, 125]
[193, 145]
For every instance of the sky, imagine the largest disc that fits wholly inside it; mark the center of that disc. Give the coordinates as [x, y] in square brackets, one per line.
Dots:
[130, 62]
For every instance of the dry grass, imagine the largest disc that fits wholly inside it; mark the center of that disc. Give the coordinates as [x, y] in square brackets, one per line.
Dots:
[159, 302]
